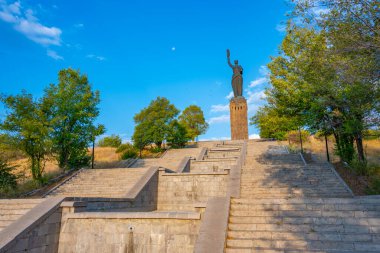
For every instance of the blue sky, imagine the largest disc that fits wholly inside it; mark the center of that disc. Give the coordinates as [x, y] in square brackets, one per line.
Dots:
[136, 50]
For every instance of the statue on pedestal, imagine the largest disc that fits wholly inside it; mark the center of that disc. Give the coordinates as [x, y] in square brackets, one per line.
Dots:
[237, 77]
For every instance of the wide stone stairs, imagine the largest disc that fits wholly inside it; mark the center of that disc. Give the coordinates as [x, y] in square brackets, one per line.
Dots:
[101, 183]
[12, 209]
[286, 206]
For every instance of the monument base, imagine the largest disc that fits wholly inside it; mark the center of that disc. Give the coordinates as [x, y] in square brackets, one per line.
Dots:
[239, 118]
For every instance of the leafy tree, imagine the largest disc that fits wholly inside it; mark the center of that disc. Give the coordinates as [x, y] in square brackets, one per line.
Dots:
[271, 124]
[27, 124]
[141, 136]
[156, 119]
[178, 135]
[73, 106]
[194, 121]
[110, 141]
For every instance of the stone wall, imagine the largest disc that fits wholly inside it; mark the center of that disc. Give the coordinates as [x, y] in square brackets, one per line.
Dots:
[129, 232]
[36, 231]
[184, 190]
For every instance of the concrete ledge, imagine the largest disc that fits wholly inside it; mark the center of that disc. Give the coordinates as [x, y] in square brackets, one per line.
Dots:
[217, 160]
[213, 231]
[184, 165]
[73, 204]
[196, 174]
[27, 222]
[137, 188]
[201, 154]
[223, 149]
[233, 188]
[331, 167]
[135, 215]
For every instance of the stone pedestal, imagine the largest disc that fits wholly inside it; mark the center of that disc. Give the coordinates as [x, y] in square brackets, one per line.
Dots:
[238, 118]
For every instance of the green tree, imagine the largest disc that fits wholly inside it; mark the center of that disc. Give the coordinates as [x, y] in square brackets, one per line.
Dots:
[178, 135]
[110, 141]
[27, 124]
[194, 121]
[141, 136]
[73, 106]
[156, 119]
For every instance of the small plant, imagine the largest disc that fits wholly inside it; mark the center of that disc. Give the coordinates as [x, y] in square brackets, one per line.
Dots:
[129, 153]
[110, 141]
[8, 180]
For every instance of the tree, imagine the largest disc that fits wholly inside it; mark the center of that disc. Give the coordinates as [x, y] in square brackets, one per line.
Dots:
[271, 124]
[156, 119]
[194, 121]
[110, 141]
[73, 106]
[141, 136]
[8, 180]
[27, 124]
[178, 135]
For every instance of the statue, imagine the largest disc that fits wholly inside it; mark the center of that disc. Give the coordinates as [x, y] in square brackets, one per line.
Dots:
[237, 77]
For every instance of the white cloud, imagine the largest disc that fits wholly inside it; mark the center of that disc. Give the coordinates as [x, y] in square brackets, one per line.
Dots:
[220, 108]
[230, 95]
[263, 70]
[28, 24]
[254, 136]
[219, 119]
[53, 54]
[258, 81]
[173, 48]
[256, 97]
[96, 57]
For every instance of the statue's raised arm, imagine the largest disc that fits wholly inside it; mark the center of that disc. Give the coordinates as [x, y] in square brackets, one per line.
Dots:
[228, 59]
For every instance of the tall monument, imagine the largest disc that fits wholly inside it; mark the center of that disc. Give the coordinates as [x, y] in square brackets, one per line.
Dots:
[238, 104]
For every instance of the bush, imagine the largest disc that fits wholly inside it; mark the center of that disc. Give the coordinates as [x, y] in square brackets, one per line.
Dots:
[8, 181]
[110, 141]
[129, 153]
[123, 147]
[155, 149]
[294, 136]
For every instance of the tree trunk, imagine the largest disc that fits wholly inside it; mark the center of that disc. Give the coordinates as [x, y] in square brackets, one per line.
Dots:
[359, 146]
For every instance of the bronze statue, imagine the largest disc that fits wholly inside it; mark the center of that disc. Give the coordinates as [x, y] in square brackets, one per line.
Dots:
[237, 77]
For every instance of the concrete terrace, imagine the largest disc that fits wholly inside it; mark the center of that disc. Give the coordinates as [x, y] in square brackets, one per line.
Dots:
[224, 196]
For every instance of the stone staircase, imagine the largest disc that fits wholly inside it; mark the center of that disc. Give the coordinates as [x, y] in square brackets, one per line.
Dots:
[286, 206]
[102, 183]
[12, 209]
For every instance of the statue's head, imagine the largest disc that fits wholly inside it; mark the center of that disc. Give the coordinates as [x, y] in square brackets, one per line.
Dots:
[236, 62]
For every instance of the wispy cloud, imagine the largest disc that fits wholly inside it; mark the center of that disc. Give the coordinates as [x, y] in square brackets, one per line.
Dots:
[263, 70]
[220, 108]
[219, 119]
[258, 81]
[215, 138]
[26, 22]
[254, 136]
[281, 28]
[53, 54]
[256, 97]
[96, 57]
[230, 95]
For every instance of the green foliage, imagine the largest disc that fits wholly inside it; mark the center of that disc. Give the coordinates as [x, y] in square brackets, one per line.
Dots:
[371, 134]
[178, 135]
[194, 121]
[155, 149]
[124, 147]
[271, 124]
[27, 126]
[142, 136]
[129, 153]
[110, 141]
[8, 180]
[154, 120]
[73, 106]
[294, 136]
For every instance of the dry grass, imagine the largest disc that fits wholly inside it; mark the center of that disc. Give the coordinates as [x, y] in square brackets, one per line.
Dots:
[317, 147]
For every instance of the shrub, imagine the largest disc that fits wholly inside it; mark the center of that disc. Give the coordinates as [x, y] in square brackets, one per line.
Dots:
[155, 149]
[294, 136]
[8, 181]
[110, 141]
[123, 147]
[129, 153]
